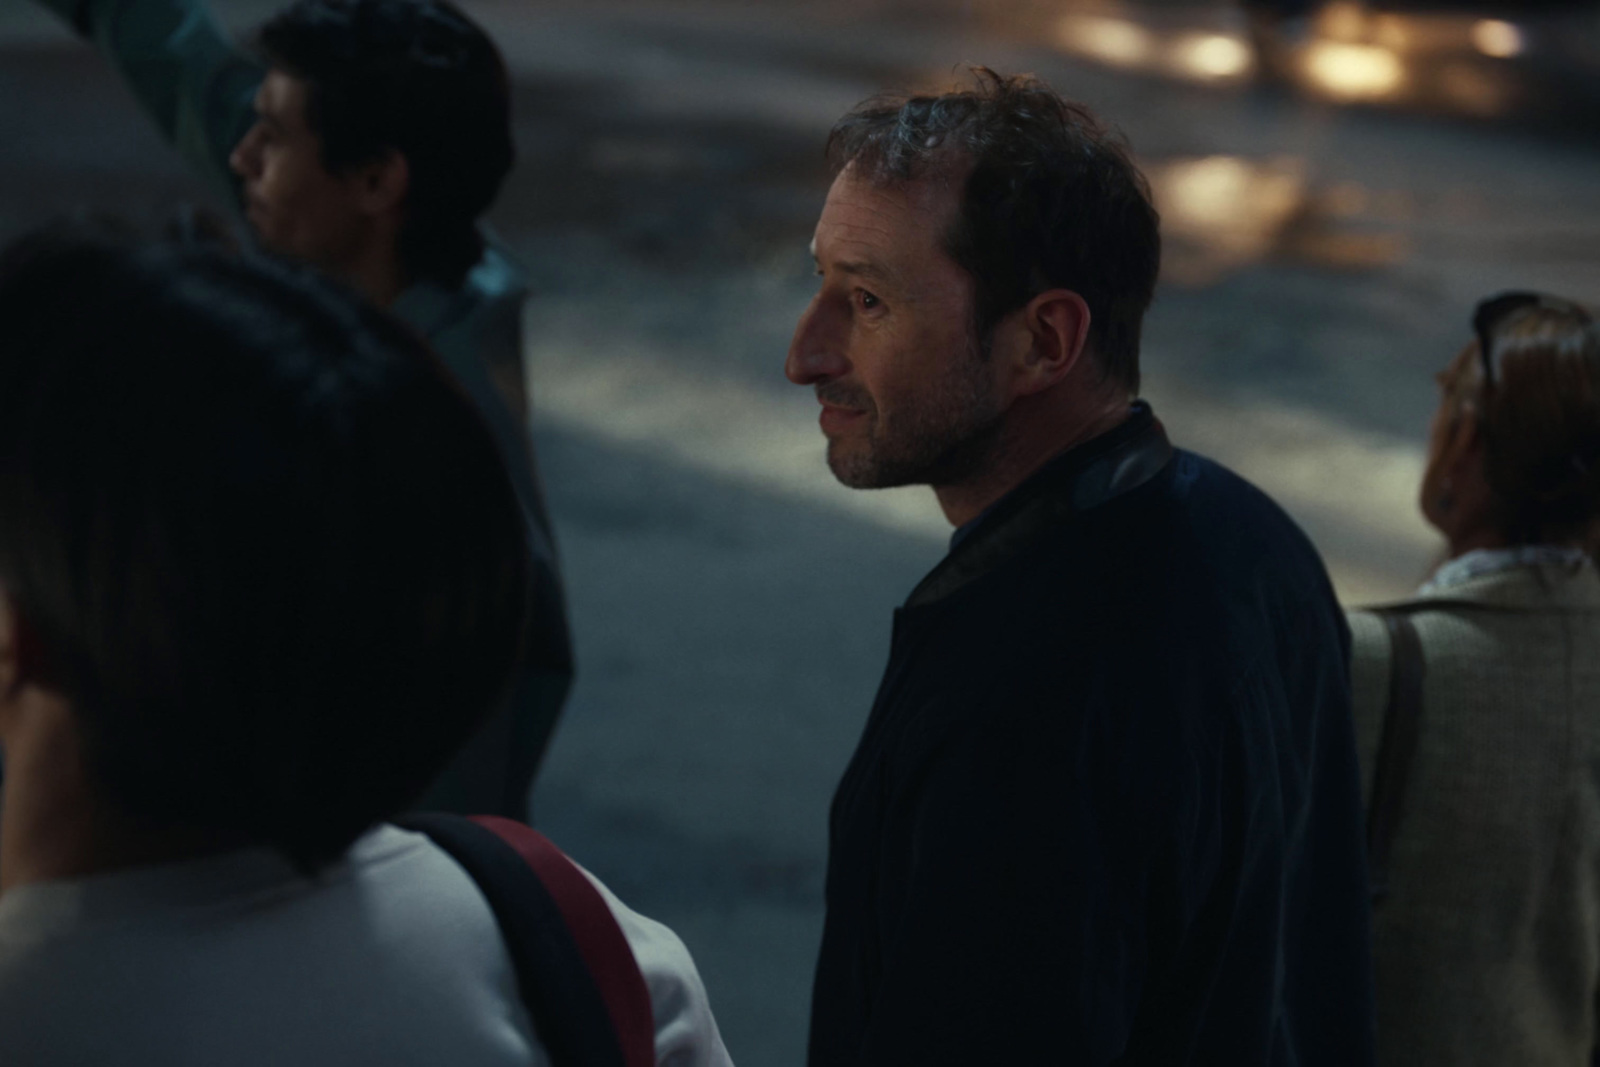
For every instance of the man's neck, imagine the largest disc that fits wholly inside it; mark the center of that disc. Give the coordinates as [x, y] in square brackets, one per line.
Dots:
[373, 266]
[1475, 540]
[379, 279]
[1019, 454]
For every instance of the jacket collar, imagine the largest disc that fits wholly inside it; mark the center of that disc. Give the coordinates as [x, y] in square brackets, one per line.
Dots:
[1078, 480]
[1485, 561]
[431, 308]
[1532, 586]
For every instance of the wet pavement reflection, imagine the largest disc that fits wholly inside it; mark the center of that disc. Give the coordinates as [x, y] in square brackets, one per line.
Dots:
[1226, 213]
[1522, 60]
[1209, 46]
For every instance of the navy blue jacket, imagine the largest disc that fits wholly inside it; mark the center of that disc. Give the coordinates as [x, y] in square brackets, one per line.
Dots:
[1106, 807]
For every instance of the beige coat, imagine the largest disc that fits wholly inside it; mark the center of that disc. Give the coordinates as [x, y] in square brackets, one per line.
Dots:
[1487, 947]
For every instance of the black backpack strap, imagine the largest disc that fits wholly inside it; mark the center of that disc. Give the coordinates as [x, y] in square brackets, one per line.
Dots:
[1397, 748]
[562, 993]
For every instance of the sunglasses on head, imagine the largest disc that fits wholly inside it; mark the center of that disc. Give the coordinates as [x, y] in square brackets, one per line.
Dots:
[1494, 311]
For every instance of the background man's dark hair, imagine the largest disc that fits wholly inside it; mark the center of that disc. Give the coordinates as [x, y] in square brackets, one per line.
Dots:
[258, 538]
[1050, 200]
[416, 76]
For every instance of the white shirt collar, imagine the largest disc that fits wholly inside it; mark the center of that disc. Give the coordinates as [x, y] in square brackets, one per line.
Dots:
[1482, 561]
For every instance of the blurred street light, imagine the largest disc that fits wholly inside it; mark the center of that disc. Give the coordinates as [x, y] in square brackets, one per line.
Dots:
[1391, 31]
[1495, 38]
[1354, 71]
[1343, 21]
[1206, 56]
[1394, 53]
[1116, 41]
[1213, 55]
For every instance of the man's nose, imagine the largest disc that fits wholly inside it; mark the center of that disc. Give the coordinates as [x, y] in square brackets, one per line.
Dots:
[242, 160]
[817, 352]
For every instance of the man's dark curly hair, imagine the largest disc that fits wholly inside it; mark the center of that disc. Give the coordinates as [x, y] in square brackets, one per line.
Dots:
[413, 76]
[1051, 200]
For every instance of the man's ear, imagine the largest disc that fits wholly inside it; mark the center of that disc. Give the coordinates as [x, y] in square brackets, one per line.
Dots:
[1463, 451]
[1050, 335]
[382, 185]
[8, 644]
[14, 648]
[22, 656]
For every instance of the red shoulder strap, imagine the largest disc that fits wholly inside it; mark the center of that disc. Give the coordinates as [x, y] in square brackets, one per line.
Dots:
[598, 937]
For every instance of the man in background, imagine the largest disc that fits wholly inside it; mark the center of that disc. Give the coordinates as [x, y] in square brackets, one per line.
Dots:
[367, 138]
[1105, 808]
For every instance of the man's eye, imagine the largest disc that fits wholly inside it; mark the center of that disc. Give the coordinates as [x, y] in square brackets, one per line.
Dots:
[867, 300]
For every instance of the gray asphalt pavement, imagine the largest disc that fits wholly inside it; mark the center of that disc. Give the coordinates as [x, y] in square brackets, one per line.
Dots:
[731, 603]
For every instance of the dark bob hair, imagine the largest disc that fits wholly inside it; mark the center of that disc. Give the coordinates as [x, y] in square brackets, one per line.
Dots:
[1541, 422]
[255, 534]
[1050, 200]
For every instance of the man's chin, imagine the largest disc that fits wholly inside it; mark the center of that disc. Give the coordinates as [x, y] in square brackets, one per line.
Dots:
[270, 238]
[857, 470]
[861, 465]
[255, 217]
[266, 239]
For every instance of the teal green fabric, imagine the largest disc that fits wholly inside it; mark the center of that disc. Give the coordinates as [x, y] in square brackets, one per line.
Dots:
[190, 78]
[199, 87]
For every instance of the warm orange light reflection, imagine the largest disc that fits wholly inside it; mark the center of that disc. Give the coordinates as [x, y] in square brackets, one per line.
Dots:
[1212, 55]
[1471, 89]
[1115, 41]
[1221, 213]
[1343, 20]
[1391, 31]
[1353, 71]
[1229, 192]
[1495, 38]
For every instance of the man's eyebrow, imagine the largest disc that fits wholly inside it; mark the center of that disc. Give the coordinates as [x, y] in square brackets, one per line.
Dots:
[860, 268]
[265, 115]
[865, 269]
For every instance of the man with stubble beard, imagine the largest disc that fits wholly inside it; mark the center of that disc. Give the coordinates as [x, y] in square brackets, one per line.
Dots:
[1105, 808]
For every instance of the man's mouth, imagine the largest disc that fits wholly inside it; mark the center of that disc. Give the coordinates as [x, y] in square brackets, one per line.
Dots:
[842, 407]
[835, 418]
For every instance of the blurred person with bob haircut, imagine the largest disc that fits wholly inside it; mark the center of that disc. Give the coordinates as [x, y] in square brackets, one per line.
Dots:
[368, 138]
[262, 572]
[1477, 705]
[1105, 806]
